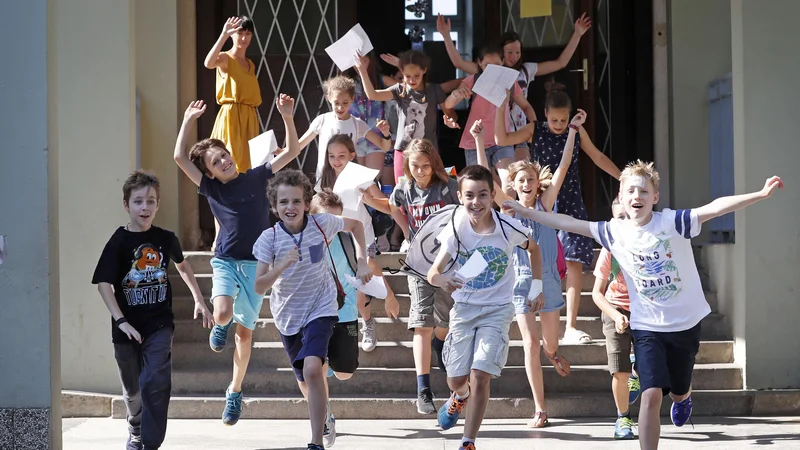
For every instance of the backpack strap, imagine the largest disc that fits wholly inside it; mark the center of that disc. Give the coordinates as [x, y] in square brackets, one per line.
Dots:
[333, 265]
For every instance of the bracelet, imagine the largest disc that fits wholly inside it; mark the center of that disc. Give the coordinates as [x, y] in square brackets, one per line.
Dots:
[120, 321]
[574, 127]
[386, 137]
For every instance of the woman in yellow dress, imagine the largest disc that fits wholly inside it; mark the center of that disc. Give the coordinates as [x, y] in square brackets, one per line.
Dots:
[237, 90]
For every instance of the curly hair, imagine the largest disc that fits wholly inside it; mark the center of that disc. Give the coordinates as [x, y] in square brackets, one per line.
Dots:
[339, 83]
[325, 199]
[543, 173]
[290, 177]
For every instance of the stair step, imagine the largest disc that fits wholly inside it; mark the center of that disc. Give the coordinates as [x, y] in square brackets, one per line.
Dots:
[564, 405]
[188, 330]
[183, 306]
[390, 383]
[187, 356]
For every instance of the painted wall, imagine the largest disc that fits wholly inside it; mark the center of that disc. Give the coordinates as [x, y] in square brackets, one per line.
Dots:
[700, 52]
[95, 135]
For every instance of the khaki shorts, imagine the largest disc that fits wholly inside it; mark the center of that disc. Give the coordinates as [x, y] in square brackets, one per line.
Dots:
[478, 339]
[430, 305]
[618, 346]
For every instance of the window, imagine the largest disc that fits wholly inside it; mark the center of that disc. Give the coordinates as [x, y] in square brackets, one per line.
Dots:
[453, 35]
[445, 7]
[453, 9]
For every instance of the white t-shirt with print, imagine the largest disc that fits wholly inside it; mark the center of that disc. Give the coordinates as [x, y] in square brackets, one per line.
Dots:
[305, 291]
[495, 285]
[525, 77]
[658, 264]
[327, 125]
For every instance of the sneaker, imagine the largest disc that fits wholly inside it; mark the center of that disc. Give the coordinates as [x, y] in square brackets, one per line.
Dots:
[329, 430]
[634, 389]
[681, 412]
[623, 429]
[218, 337]
[438, 348]
[134, 442]
[368, 339]
[233, 407]
[425, 402]
[315, 447]
[448, 413]
[467, 446]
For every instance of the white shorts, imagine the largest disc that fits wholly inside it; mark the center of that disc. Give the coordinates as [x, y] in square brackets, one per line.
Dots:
[478, 339]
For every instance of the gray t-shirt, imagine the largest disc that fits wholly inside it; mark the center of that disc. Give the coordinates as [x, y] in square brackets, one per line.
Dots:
[417, 203]
[416, 113]
[306, 290]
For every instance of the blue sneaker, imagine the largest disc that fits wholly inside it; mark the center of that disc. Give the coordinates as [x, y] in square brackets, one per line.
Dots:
[219, 337]
[623, 429]
[448, 413]
[681, 412]
[634, 389]
[233, 407]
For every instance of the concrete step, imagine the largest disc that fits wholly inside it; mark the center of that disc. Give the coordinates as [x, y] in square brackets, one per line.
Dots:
[187, 356]
[564, 405]
[183, 306]
[186, 330]
[391, 383]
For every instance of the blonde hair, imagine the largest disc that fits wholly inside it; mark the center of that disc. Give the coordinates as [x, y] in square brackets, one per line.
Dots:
[641, 169]
[543, 174]
[323, 200]
[339, 83]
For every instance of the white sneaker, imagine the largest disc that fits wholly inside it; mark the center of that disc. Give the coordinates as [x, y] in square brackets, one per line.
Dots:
[368, 339]
[329, 431]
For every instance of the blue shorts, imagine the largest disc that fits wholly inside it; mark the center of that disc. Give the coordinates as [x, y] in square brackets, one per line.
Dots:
[551, 285]
[312, 340]
[494, 154]
[666, 360]
[237, 279]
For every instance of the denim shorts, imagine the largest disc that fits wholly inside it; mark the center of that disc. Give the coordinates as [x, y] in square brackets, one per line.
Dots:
[494, 154]
[551, 285]
[237, 279]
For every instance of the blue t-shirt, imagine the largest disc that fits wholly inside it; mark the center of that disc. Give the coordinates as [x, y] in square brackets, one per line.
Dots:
[242, 210]
[349, 312]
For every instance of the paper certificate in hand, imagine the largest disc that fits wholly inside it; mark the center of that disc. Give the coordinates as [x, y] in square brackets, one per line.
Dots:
[343, 51]
[262, 147]
[353, 178]
[494, 82]
[374, 287]
[474, 266]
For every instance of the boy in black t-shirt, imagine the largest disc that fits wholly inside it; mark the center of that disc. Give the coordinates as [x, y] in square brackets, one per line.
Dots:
[132, 279]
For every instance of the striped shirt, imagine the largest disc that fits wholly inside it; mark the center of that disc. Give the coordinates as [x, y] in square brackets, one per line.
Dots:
[306, 290]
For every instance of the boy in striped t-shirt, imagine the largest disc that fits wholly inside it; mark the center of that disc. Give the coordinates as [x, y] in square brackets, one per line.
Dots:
[292, 260]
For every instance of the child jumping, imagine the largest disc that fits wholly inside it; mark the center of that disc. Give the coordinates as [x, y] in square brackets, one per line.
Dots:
[476, 348]
[292, 261]
[654, 251]
[131, 277]
[238, 203]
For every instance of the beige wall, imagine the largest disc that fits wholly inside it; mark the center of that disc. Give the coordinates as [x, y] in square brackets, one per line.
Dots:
[156, 34]
[700, 52]
[759, 272]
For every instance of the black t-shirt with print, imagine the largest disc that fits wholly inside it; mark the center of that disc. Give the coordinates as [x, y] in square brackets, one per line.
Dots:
[136, 263]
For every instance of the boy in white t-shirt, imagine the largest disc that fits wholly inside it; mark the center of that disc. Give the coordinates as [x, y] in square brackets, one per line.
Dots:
[476, 347]
[667, 301]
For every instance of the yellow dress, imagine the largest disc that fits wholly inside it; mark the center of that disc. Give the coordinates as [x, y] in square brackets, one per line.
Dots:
[237, 121]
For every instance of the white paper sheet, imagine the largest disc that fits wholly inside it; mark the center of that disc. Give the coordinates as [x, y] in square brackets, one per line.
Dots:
[348, 185]
[2, 248]
[474, 266]
[375, 287]
[262, 147]
[343, 51]
[494, 82]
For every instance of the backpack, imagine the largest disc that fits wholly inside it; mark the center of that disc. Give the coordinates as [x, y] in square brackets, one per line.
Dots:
[424, 246]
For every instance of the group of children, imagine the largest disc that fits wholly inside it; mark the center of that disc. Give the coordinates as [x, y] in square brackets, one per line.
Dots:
[306, 258]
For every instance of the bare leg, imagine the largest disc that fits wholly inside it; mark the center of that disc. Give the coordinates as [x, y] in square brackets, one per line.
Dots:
[459, 385]
[522, 153]
[422, 350]
[619, 387]
[374, 161]
[533, 362]
[440, 333]
[241, 358]
[502, 171]
[574, 283]
[223, 310]
[478, 403]
[362, 305]
[317, 396]
[649, 420]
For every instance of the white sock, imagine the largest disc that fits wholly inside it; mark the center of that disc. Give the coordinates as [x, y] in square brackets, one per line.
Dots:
[462, 397]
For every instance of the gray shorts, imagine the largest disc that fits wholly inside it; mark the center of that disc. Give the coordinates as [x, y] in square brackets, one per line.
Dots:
[618, 346]
[494, 154]
[478, 339]
[430, 306]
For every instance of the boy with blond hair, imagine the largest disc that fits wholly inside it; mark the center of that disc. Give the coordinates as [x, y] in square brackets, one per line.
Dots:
[667, 301]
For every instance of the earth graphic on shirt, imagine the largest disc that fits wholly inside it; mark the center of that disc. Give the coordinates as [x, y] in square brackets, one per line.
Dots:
[497, 261]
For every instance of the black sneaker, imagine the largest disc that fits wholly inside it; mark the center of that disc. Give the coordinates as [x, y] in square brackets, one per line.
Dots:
[425, 402]
[438, 346]
[315, 447]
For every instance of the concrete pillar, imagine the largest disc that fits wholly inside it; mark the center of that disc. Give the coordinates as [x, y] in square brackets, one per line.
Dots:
[96, 136]
[766, 256]
[30, 417]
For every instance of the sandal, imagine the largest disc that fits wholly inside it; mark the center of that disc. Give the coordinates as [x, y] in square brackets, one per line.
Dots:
[576, 336]
[560, 363]
[539, 420]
